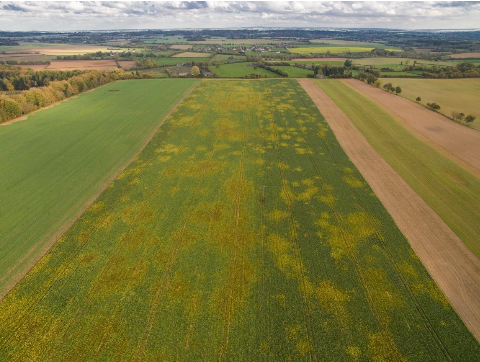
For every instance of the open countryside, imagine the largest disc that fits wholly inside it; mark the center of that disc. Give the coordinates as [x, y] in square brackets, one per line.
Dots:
[239, 190]
[281, 205]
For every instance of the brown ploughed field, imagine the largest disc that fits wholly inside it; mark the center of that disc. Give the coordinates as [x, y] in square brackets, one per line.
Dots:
[451, 264]
[82, 64]
[463, 143]
[34, 66]
[127, 64]
[465, 55]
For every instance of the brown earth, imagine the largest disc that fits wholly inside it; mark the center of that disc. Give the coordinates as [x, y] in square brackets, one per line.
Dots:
[127, 64]
[33, 66]
[450, 263]
[318, 60]
[465, 55]
[462, 143]
[82, 64]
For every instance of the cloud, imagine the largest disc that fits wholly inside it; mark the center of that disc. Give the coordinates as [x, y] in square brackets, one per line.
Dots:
[97, 15]
[13, 7]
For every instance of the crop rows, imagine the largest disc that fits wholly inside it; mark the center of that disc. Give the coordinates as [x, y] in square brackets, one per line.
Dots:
[241, 232]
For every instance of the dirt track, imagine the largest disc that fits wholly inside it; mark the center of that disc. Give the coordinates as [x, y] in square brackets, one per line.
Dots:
[451, 264]
[461, 142]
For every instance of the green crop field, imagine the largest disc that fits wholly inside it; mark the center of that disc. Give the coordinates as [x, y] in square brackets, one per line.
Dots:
[294, 72]
[348, 43]
[155, 72]
[452, 192]
[319, 62]
[335, 49]
[451, 94]
[175, 61]
[53, 163]
[225, 58]
[192, 55]
[236, 70]
[399, 63]
[242, 232]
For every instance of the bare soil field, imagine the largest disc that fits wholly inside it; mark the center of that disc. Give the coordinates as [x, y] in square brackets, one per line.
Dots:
[67, 49]
[25, 57]
[451, 264]
[465, 55]
[461, 142]
[34, 66]
[82, 64]
[318, 60]
[127, 64]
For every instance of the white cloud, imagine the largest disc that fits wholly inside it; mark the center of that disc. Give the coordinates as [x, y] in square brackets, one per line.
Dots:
[77, 15]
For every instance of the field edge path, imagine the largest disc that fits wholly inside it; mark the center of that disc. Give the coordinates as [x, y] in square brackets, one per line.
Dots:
[450, 263]
[459, 143]
[68, 223]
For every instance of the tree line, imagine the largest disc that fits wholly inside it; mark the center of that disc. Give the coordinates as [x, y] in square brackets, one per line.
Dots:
[17, 103]
[460, 70]
[13, 78]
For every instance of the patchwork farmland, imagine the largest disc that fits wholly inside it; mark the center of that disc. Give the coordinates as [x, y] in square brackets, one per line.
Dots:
[242, 231]
[450, 190]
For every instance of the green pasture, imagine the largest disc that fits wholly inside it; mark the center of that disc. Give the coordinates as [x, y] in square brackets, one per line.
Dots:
[238, 70]
[336, 49]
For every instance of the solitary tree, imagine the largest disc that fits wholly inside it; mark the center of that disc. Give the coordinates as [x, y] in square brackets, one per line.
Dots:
[195, 71]
[419, 99]
[377, 83]
[470, 118]
[398, 90]
[348, 63]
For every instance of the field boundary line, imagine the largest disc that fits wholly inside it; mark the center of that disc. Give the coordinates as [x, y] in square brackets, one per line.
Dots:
[52, 239]
[450, 263]
[456, 157]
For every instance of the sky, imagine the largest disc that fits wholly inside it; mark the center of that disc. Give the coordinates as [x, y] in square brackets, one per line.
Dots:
[110, 15]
